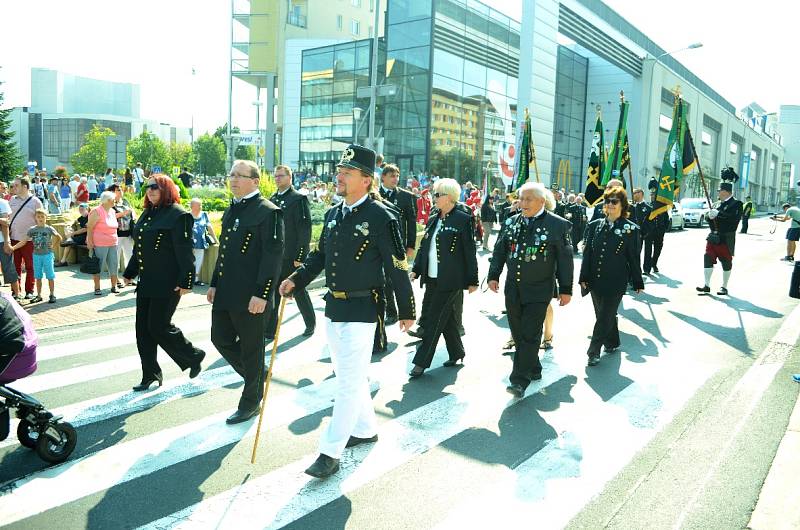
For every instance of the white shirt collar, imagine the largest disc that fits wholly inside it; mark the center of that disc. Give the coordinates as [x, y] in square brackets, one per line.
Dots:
[355, 204]
[251, 194]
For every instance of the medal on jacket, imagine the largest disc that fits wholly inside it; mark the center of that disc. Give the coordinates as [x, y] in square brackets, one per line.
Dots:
[363, 228]
[235, 225]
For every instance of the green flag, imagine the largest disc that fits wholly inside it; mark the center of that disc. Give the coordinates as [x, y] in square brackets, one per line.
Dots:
[619, 151]
[678, 161]
[594, 189]
[524, 155]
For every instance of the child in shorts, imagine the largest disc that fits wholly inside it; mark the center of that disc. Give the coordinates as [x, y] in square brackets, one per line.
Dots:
[45, 239]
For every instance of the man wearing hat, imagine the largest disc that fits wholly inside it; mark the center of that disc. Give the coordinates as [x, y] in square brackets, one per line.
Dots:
[653, 233]
[360, 244]
[723, 220]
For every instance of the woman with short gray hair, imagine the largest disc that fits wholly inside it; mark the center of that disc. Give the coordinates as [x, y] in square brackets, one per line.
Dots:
[202, 236]
[101, 239]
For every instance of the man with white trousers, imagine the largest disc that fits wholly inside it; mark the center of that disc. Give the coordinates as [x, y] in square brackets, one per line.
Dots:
[360, 245]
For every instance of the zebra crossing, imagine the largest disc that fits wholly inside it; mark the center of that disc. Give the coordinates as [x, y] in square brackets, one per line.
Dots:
[454, 449]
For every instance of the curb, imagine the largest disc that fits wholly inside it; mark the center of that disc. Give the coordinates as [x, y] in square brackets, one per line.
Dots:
[777, 506]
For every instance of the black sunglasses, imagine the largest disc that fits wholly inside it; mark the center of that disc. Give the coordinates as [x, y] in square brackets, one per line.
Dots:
[153, 186]
[437, 195]
[612, 200]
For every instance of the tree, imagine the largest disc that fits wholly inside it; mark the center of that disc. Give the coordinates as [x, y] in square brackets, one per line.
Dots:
[210, 153]
[148, 149]
[182, 155]
[10, 159]
[91, 157]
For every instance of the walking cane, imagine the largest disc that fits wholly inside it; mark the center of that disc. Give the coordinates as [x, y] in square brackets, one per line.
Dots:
[267, 379]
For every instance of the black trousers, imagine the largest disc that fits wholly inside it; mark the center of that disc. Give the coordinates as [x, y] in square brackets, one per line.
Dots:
[605, 332]
[154, 328]
[301, 298]
[458, 309]
[442, 321]
[391, 304]
[652, 251]
[745, 224]
[239, 337]
[380, 341]
[526, 322]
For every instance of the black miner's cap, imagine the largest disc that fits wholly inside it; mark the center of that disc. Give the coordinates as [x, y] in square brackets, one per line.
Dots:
[726, 186]
[728, 174]
[652, 185]
[358, 157]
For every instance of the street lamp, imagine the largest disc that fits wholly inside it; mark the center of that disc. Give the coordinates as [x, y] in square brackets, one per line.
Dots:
[357, 111]
[650, 94]
[257, 104]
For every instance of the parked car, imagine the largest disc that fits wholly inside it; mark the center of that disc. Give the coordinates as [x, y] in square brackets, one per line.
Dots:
[676, 220]
[695, 211]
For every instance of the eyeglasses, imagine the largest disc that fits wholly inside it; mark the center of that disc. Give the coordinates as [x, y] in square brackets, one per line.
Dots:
[437, 195]
[237, 176]
[153, 186]
[612, 200]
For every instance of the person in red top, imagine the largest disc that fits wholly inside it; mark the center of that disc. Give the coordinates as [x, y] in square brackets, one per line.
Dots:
[82, 192]
[424, 206]
[474, 200]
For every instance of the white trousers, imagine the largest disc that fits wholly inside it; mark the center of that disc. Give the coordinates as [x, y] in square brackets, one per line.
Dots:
[199, 253]
[350, 344]
[125, 246]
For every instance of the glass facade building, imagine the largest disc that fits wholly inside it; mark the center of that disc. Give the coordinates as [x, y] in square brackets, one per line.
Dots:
[569, 127]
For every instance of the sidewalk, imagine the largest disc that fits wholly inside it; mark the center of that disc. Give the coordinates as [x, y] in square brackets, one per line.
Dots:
[778, 507]
[78, 304]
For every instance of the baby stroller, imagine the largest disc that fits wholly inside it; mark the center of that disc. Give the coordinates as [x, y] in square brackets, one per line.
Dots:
[52, 439]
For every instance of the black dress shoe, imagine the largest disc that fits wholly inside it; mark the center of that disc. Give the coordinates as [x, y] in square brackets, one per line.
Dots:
[703, 289]
[390, 321]
[195, 369]
[354, 440]
[722, 291]
[655, 269]
[147, 381]
[416, 333]
[594, 359]
[452, 362]
[515, 390]
[416, 372]
[241, 415]
[536, 377]
[323, 467]
[610, 349]
[308, 332]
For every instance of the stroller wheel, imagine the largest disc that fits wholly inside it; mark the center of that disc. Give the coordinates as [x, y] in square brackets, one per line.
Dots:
[27, 434]
[56, 443]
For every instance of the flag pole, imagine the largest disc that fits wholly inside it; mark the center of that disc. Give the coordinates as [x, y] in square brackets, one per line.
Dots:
[699, 167]
[533, 146]
[630, 159]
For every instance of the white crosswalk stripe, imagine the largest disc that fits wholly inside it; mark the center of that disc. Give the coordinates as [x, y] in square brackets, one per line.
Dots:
[596, 423]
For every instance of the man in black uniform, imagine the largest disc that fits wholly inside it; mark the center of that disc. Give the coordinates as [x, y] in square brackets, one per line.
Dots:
[640, 213]
[243, 282]
[653, 234]
[721, 242]
[186, 177]
[360, 241]
[536, 247]
[296, 244]
[575, 214]
[407, 203]
[561, 206]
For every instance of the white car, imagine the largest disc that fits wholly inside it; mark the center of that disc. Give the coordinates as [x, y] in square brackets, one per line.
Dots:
[695, 211]
[676, 219]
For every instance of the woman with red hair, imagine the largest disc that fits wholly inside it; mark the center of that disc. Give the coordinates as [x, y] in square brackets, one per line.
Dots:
[163, 260]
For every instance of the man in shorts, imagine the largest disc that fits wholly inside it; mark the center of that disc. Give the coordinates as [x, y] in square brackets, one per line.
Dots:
[790, 213]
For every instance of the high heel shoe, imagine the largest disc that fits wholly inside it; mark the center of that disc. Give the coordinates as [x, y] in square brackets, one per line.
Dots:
[450, 362]
[416, 372]
[146, 382]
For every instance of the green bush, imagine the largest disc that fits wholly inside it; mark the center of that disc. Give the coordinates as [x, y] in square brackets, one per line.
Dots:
[212, 204]
[318, 210]
[210, 193]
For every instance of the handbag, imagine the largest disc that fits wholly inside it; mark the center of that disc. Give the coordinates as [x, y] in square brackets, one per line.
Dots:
[91, 265]
[714, 238]
[794, 284]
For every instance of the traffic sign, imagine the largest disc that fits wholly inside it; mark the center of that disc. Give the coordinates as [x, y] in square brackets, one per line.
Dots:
[155, 169]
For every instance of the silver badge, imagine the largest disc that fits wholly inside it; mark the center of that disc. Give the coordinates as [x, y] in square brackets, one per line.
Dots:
[347, 155]
[533, 258]
[544, 237]
[617, 231]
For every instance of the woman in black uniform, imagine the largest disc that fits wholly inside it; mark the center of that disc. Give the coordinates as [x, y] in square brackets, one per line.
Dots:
[162, 259]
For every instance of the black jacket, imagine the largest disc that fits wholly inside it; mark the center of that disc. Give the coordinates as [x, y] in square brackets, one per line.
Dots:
[730, 213]
[488, 213]
[536, 255]
[355, 252]
[250, 253]
[611, 257]
[407, 202]
[296, 226]
[455, 251]
[162, 252]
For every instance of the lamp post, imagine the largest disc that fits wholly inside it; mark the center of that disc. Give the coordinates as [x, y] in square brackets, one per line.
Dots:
[647, 126]
[357, 111]
[257, 104]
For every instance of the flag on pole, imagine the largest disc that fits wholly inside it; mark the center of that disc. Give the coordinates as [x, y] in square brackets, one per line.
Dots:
[485, 190]
[594, 189]
[524, 154]
[678, 161]
[619, 151]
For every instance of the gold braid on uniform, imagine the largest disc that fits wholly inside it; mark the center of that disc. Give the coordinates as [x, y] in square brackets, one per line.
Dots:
[399, 256]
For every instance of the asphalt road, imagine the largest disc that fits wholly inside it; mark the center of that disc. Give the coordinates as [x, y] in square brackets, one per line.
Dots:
[677, 430]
